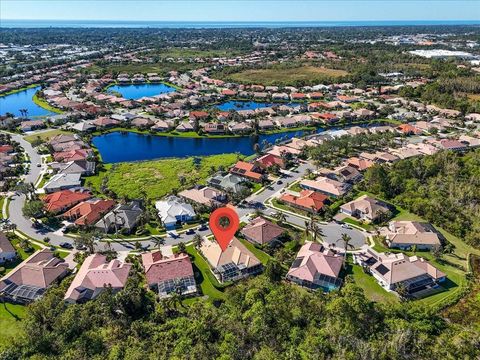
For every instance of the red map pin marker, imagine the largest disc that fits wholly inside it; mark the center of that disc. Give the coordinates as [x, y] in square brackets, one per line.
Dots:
[224, 224]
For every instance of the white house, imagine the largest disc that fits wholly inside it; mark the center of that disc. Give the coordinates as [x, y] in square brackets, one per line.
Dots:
[7, 251]
[174, 211]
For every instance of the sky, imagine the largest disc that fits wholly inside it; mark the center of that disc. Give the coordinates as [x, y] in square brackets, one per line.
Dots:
[240, 10]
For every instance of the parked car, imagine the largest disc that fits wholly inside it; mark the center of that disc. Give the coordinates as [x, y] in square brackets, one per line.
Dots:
[345, 226]
[173, 235]
[202, 227]
[66, 245]
[81, 247]
[190, 232]
[279, 182]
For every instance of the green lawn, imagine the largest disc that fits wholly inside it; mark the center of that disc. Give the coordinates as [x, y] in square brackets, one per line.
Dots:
[21, 253]
[369, 285]
[44, 104]
[10, 322]
[261, 255]
[45, 135]
[351, 221]
[295, 187]
[207, 281]
[158, 178]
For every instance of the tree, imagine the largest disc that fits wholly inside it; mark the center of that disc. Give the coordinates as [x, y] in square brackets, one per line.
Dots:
[87, 238]
[197, 240]
[281, 217]
[33, 209]
[345, 239]
[437, 252]
[158, 241]
[317, 231]
[274, 270]
[182, 248]
[402, 291]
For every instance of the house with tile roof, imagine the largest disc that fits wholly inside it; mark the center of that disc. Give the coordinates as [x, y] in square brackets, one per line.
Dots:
[365, 208]
[30, 279]
[360, 164]
[235, 263]
[261, 231]
[61, 201]
[88, 212]
[316, 267]
[7, 251]
[307, 200]
[60, 182]
[124, 217]
[268, 160]
[94, 276]
[169, 274]
[247, 170]
[174, 211]
[204, 195]
[227, 182]
[326, 186]
[406, 234]
[392, 270]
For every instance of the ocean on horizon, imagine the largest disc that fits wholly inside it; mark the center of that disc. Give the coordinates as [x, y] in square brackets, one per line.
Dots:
[6, 23]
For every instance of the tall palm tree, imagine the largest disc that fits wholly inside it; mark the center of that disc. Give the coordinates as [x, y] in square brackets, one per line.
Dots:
[198, 240]
[158, 241]
[281, 217]
[317, 231]
[308, 227]
[345, 239]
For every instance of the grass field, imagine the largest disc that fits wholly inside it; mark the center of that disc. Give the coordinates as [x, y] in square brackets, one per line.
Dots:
[158, 178]
[45, 135]
[10, 322]
[44, 104]
[161, 68]
[285, 76]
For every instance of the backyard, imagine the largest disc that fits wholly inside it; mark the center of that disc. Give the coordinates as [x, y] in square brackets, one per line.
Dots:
[10, 322]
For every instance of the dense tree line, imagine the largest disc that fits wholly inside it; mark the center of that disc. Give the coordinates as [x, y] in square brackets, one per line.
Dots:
[443, 188]
[260, 319]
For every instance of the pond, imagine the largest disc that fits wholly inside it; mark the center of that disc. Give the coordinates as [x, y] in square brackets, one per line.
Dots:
[22, 100]
[128, 146]
[251, 105]
[137, 91]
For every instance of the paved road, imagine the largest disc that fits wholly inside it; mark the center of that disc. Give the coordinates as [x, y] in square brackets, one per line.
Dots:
[332, 232]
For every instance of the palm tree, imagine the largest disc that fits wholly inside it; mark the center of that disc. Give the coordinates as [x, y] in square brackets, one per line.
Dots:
[308, 226]
[198, 240]
[158, 241]
[317, 231]
[346, 245]
[281, 218]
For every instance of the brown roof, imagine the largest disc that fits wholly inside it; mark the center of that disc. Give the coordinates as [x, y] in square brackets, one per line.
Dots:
[40, 270]
[262, 231]
[159, 268]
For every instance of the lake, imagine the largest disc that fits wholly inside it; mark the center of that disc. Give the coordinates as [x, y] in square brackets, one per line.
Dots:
[250, 105]
[128, 146]
[137, 91]
[22, 100]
